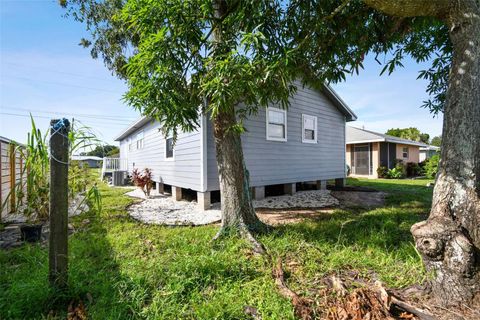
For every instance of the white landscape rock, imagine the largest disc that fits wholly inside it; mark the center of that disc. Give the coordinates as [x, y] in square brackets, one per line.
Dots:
[160, 209]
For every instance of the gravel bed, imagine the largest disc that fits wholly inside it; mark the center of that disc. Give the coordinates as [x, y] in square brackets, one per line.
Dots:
[163, 210]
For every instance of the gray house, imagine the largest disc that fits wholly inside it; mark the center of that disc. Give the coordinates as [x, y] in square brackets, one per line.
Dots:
[89, 161]
[281, 148]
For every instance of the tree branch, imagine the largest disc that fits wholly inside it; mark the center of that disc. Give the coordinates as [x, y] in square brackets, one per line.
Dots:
[410, 8]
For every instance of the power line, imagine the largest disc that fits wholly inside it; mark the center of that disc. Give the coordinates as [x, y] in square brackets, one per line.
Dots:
[93, 116]
[55, 71]
[45, 117]
[64, 84]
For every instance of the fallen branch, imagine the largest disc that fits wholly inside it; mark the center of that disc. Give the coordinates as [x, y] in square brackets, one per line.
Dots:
[389, 299]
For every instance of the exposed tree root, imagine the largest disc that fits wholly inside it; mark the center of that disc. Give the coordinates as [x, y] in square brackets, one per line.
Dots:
[245, 233]
[302, 306]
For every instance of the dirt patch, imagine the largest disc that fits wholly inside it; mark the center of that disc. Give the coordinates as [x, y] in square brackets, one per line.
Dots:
[278, 217]
[366, 199]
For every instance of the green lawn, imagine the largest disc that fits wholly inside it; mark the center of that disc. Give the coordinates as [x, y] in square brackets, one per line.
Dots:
[131, 270]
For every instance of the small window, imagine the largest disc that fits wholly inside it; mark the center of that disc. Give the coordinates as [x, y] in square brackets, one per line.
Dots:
[276, 124]
[405, 153]
[169, 148]
[309, 129]
[139, 139]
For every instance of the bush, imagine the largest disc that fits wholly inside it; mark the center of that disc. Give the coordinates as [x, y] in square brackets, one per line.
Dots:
[143, 180]
[413, 169]
[382, 172]
[396, 173]
[431, 166]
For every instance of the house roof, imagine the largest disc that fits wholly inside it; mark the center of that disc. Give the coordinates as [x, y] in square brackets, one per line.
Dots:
[339, 103]
[430, 147]
[357, 135]
[326, 89]
[133, 127]
[83, 158]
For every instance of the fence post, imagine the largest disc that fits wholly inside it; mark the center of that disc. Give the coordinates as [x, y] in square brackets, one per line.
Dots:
[58, 241]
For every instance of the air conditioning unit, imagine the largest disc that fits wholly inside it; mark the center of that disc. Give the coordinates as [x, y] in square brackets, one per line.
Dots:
[118, 178]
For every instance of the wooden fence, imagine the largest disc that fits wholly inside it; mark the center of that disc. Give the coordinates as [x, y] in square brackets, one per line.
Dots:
[11, 169]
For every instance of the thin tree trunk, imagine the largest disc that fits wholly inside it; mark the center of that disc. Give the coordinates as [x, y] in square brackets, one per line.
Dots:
[238, 214]
[449, 240]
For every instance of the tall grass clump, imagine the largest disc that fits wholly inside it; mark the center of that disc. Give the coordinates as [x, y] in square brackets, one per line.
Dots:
[32, 193]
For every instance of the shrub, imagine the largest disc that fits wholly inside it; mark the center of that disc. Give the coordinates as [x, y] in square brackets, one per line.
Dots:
[143, 180]
[413, 169]
[431, 166]
[396, 173]
[382, 172]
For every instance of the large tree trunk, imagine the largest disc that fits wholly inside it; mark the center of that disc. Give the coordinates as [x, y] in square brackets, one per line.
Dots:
[449, 241]
[237, 209]
[238, 214]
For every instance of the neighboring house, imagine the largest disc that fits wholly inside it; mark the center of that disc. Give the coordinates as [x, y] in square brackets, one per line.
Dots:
[304, 144]
[428, 152]
[368, 150]
[90, 161]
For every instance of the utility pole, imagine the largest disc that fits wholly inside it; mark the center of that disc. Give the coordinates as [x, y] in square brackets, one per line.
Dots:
[58, 240]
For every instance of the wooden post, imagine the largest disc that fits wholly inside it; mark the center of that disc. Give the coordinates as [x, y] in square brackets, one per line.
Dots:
[58, 241]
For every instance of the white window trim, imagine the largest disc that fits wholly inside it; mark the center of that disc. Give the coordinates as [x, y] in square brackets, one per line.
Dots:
[407, 152]
[165, 150]
[142, 140]
[315, 129]
[266, 124]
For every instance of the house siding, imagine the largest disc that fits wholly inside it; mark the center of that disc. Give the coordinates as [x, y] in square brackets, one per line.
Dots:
[413, 153]
[183, 171]
[274, 162]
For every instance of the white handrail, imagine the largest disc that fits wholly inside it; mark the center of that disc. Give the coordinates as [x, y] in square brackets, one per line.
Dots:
[113, 164]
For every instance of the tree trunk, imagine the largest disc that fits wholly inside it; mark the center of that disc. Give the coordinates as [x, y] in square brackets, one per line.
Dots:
[237, 208]
[449, 240]
[238, 214]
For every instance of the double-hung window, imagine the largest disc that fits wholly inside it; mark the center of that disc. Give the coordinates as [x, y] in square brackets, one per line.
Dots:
[139, 139]
[276, 124]
[405, 152]
[169, 148]
[130, 144]
[309, 129]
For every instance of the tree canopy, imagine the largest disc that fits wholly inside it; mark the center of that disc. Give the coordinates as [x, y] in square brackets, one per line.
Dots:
[409, 133]
[103, 151]
[436, 141]
[166, 52]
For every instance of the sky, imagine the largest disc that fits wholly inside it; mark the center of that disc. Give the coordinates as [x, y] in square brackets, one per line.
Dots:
[43, 71]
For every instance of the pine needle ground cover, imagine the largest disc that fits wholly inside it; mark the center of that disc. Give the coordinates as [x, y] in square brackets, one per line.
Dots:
[122, 269]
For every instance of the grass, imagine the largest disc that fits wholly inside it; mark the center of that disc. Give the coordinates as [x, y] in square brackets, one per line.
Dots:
[135, 271]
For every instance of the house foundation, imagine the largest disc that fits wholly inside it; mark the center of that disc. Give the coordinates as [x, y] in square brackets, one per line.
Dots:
[160, 188]
[290, 188]
[204, 200]
[340, 182]
[321, 184]
[176, 193]
[258, 193]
